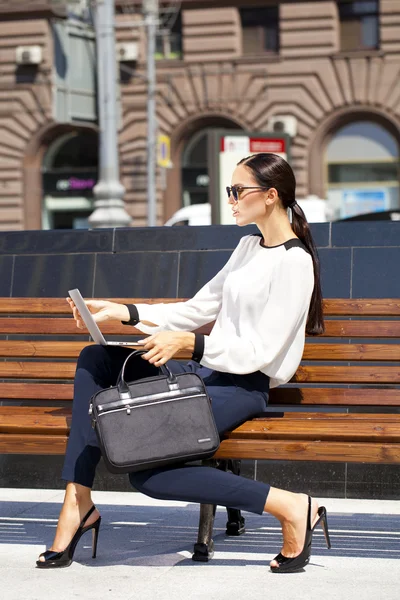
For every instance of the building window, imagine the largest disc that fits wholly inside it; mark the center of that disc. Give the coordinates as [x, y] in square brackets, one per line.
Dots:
[260, 29]
[169, 39]
[363, 170]
[69, 175]
[359, 25]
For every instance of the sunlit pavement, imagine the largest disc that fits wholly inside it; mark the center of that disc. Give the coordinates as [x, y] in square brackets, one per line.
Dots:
[145, 553]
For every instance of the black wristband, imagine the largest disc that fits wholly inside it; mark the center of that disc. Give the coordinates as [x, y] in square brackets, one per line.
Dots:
[198, 347]
[133, 314]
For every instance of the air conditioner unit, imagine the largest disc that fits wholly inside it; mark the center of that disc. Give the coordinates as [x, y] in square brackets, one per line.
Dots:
[283, 124]
[127, 51]
[29, 55]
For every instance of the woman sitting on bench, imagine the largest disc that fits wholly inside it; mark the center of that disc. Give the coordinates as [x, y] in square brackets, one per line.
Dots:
[264, 300]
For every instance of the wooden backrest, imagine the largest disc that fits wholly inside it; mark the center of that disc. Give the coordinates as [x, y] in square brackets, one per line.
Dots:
[355, 363]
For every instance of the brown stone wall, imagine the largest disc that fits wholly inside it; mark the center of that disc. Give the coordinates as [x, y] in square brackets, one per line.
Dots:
[310, 79]
[213, 85]
[25, 106]
[211, 35]
[390, 27]
[309, 29]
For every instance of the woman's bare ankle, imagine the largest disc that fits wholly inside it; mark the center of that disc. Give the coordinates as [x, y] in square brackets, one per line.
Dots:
[282, 504]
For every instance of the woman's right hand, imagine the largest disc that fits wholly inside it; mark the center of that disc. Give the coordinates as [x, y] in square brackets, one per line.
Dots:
[102, 310]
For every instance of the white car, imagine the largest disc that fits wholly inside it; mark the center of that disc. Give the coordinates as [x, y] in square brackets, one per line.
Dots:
[315, 209]
[195, 214]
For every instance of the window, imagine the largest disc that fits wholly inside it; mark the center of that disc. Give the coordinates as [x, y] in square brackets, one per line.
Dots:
[359, 25]
[363, 170]
[260, 29]
[169, 40]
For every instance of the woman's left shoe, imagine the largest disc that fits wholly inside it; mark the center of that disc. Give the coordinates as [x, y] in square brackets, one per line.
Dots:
[291, 565]
[54, 560]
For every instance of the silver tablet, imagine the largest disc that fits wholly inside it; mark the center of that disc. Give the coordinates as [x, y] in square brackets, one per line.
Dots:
[91, 324]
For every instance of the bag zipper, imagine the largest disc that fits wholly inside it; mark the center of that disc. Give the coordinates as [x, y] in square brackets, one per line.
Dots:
[128, 408]
[122, 402]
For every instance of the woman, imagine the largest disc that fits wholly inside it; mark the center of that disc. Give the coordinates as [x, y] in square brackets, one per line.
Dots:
[264, 300]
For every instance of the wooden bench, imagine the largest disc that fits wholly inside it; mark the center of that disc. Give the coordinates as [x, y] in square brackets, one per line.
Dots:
[355, 365]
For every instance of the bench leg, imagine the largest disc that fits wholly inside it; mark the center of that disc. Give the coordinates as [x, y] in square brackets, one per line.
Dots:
[203, 550]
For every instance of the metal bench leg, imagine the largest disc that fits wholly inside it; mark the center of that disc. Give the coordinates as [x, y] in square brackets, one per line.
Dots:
[203, 550]
[235, 524]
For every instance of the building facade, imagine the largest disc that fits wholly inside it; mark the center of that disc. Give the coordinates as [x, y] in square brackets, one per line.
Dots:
[325, 71]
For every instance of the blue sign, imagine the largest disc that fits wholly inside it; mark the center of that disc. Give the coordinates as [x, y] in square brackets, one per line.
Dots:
[359, 202]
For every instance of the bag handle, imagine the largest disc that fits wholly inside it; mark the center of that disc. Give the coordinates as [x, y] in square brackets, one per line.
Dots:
[123, 388]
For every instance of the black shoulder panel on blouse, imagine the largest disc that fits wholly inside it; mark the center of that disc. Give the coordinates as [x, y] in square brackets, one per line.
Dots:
[295, 243]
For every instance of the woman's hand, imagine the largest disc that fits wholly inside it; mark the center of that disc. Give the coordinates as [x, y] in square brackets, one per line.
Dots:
[164, 345]
[102, 310]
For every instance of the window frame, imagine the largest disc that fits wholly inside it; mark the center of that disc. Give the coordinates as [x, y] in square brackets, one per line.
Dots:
[359, 18]
[275, 23]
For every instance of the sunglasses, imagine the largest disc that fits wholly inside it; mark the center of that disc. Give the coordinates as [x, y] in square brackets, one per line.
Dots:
[236, 190]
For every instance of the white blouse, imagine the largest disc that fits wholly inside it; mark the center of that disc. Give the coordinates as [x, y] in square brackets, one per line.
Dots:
[259, 301]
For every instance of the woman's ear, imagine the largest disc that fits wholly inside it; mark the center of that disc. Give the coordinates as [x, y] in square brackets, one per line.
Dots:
[271, 197]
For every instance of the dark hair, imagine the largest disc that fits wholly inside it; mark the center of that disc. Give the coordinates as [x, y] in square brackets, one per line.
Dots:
[272, 171]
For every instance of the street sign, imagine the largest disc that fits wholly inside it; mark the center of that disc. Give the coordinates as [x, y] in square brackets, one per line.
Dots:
[164, 151]
[232, 148]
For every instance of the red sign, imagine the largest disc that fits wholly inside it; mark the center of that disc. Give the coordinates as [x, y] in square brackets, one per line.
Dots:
[267, 145]
[248, 145]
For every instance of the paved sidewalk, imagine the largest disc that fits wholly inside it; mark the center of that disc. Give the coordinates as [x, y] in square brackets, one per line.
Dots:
[145, 548]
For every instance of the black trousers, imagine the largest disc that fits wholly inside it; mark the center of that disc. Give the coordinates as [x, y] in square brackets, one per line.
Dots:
[235, 399]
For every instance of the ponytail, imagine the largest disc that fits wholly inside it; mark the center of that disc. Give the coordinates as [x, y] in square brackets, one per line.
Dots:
[315, 321]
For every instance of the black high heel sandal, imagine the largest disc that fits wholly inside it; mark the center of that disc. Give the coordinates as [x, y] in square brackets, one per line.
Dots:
[291, 565]
[54, 560]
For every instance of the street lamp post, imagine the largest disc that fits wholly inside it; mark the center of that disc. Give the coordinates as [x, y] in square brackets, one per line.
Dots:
[151, 20]
[109, 192]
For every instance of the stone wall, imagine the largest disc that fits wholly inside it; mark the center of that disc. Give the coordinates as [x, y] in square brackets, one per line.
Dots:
[359, 260]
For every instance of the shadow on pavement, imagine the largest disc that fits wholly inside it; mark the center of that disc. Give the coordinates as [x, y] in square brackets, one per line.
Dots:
[164, 536]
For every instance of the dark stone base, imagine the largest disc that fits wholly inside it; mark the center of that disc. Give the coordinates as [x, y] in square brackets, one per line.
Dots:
[41, 472]
[335, 480]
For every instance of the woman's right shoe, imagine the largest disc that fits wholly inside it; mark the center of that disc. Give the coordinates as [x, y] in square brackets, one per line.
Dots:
[296, 563]
[54, 560]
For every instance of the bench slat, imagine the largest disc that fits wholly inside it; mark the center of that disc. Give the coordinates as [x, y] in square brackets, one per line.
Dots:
[66, 326]
[315, 451]
[56, 420]
[280, 396]
[236, 449]
[58, 326]
[331, 352]
[332, 306]
[355, 374]
[32, 444]
[324, 416]
[371, 307]
[350, 352]
[335, 396]
[59, 306]
[336, 430]
[304, 374]
[362, 329]
[37, 370]
[47, 349]
[40, 420]
[36, 391]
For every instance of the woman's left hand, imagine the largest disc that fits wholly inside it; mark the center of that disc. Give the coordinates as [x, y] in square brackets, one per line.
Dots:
[164, 345]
